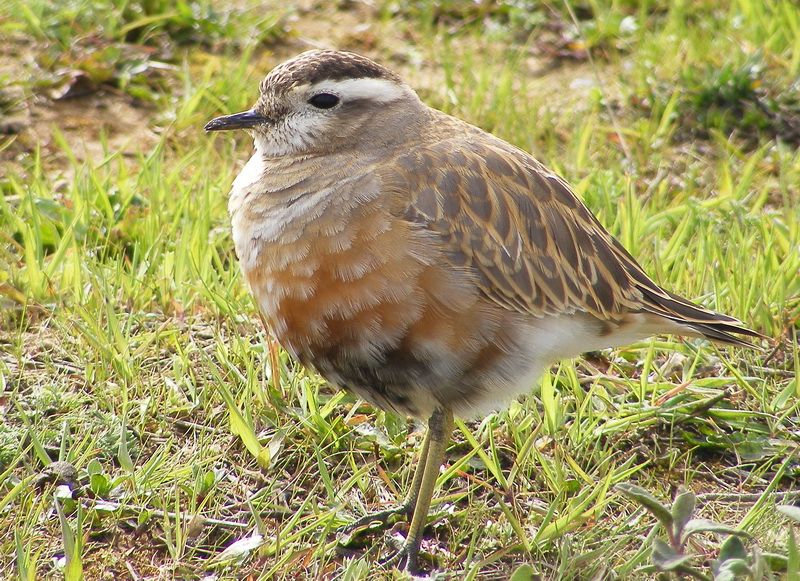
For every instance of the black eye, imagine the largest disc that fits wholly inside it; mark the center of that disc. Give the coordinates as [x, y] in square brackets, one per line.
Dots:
[324, 101]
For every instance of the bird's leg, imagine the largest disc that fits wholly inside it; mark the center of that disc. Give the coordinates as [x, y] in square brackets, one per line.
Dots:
[440, 428]
[407, 506]
[413, 492]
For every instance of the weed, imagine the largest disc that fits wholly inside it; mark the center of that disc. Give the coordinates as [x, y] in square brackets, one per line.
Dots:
[128, 44]
[671, 555]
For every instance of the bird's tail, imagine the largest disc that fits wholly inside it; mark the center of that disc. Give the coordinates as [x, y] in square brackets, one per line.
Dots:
[697, 320]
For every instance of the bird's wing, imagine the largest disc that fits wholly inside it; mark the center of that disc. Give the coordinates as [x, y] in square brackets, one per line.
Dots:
[531, 244]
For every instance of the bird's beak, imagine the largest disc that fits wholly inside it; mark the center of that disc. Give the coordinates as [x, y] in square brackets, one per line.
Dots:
[243, 120]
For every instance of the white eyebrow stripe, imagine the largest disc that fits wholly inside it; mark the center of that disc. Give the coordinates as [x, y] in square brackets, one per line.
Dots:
[381, 90]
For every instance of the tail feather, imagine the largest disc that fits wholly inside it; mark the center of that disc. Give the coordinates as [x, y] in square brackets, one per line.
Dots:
[702, 321]
[725, 335]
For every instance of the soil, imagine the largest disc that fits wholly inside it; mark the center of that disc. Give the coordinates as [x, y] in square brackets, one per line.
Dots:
[97, 122]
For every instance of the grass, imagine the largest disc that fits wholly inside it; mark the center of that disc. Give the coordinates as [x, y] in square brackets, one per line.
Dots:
[130, 349]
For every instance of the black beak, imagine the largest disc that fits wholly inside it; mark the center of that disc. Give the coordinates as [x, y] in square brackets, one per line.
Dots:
[242, 120]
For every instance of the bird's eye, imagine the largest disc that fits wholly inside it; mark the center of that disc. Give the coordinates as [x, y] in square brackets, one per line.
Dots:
[324, 101]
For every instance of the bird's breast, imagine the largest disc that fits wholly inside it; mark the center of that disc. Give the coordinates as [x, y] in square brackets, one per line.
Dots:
[364, 297]
[333, 279]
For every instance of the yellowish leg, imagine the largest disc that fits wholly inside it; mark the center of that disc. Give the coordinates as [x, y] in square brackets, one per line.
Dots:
[413, 492]
[410, 501]
[440, 428]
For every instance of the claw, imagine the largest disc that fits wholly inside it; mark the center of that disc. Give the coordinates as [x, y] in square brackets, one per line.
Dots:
[406, 560]
[371, 522]
[381, 517]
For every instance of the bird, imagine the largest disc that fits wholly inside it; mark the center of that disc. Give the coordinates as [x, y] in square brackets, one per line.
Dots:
[421, 263]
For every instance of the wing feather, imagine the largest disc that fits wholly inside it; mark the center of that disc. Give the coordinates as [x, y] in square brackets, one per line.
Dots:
[531, 244]
[534, 246]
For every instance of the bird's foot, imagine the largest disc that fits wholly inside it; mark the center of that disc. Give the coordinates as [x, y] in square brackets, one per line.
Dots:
[405, 556]
[406, 559]
[374, 521]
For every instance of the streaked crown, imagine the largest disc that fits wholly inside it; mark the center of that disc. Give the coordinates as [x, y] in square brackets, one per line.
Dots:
[316, 66]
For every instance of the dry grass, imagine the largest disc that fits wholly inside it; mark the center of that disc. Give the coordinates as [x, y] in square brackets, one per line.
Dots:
[130, 349]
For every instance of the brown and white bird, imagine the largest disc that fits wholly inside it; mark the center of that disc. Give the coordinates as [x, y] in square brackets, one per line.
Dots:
[420, 262]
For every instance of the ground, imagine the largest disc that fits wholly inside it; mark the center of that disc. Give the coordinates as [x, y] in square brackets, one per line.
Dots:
[151, 430]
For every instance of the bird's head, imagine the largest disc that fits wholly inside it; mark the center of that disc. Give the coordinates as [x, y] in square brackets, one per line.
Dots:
[325, 101]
